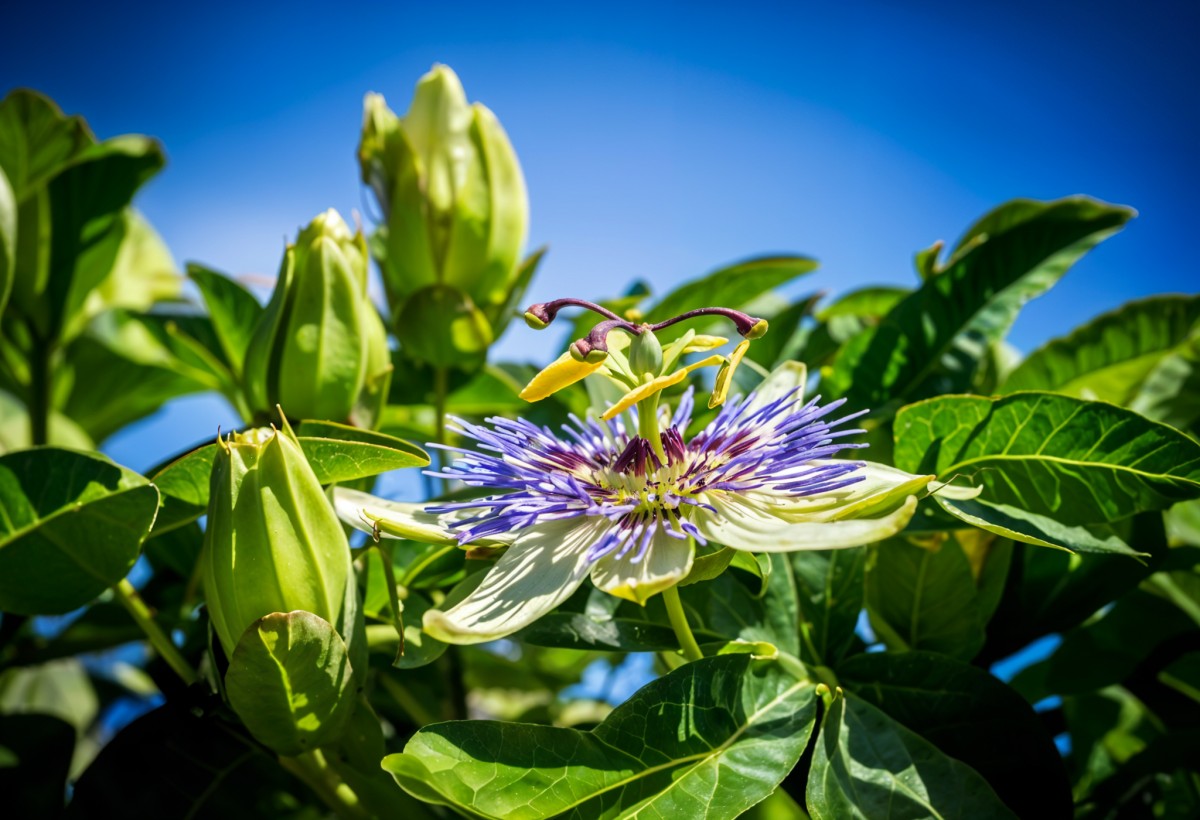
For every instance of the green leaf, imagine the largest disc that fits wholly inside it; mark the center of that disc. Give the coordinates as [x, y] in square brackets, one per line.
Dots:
[71, 527]
[869, 303]
[60, 688]
[111, 385]
[89, 223]
[337, 453]
[37, 141]
[970, 716]
[1075, 461]
[1171, 391]
[921, 598]
[733, 287]
[868, 766]
[1031, 528]
[726, 607]
[829, 585]
[708, 740]
[1159, 781]
[580, 630]
[1107, 650]
[786, 337]
[1110, 357]
[290, 682]
[1014, 254]
[233, 310]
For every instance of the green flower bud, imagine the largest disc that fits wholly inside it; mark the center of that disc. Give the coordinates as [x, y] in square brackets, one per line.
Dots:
[320, 344]
[646, 354]
[273, 542]
[454, 198]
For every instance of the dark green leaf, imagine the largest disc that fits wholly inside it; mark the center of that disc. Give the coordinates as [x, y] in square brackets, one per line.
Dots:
[578, 630]
[1075, 461]
[869, 303]
[708, 740]
[72, 527]
[233, 310]
[1105, 651]
[972, 717]
[829, 585]
[868, 766]
[1052, 591]
[727, 607]
[36, 752]
[1183, 675]
[733, 287]
[786, 338]
[177, 762]
[1110, 357]
[921, 598]
[1014, 254]
[290, 682]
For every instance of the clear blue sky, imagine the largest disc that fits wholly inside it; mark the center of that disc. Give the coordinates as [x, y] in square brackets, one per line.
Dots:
[659, 140]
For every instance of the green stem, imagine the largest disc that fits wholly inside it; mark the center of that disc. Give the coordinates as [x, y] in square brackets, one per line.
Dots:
[648, 425]
[314, 770]
[679, 622]
[129, 598]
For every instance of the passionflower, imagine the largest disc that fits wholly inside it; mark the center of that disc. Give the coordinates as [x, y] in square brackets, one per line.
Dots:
[602, 500]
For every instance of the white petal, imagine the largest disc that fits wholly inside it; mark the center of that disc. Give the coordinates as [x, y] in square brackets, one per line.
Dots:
[782, 380]
[545, 564]
[742, 524]
[402, 519]
[879, 489]
[666, 562]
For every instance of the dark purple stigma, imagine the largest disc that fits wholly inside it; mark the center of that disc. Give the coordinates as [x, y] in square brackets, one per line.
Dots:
[639, 457]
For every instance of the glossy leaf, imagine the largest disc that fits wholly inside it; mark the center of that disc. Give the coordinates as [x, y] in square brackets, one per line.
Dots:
[290, 682]
[1075, 461]
[1014, 254]
[72, 527]
[1110, 357]
[829, 586]
[924, 598]
[708, 740]
[868, 766]
[734, 286]
[1031, 528]
[971, 716]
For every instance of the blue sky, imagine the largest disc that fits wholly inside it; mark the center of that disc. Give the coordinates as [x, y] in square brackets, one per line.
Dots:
[660, 140]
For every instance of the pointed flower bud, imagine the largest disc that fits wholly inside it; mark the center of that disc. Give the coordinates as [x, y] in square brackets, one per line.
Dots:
[273, 541]
[320, 348]
[454, 198]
